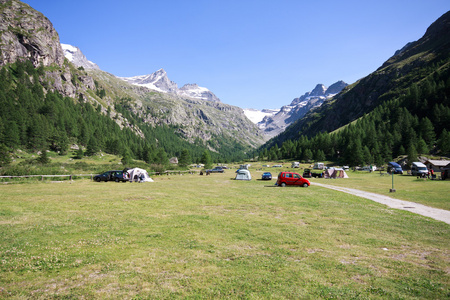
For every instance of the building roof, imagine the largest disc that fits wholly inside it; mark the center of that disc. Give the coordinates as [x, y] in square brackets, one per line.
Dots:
[438, 163]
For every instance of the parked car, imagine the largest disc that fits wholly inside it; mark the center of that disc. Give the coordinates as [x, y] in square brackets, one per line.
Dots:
[395, 168]
[307, 173]
[277, 166]
[291, 178]
[216, 170]
[115, 175]
[266, 176]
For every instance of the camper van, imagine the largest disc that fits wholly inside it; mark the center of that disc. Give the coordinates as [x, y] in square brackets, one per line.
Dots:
[319, 166]
[418, 169]
[295, 164]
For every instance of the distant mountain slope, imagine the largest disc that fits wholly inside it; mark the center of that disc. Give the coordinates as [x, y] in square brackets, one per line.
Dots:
[159, 81]
[195, 111]
[412, 65]
[275, 123]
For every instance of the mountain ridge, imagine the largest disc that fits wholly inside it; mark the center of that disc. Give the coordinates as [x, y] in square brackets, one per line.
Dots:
[159, 81]
[276, 121]
[400, 77]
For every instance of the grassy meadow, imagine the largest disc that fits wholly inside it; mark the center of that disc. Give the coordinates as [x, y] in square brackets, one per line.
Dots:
[200, 237]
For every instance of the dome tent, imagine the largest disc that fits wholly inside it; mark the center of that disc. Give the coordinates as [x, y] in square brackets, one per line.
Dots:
[138, 175]
[243, 174]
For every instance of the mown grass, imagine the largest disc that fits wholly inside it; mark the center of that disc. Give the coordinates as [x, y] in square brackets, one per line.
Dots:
[212, 237]
[433, 193]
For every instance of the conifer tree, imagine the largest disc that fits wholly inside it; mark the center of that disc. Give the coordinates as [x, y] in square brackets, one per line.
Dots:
[43, 157]
[5, 158]
[411, 153]
[92, 147]
[444, 142]
[206, 159]
[427, 132]
[185, 158]
[161, 157]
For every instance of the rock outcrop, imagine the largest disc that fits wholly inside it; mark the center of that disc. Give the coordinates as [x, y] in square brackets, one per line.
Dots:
[27, 34]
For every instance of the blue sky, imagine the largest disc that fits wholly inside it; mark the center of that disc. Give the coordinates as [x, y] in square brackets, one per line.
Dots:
[252, 54]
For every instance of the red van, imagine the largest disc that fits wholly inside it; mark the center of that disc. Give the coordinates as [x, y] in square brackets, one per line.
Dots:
[291, 178]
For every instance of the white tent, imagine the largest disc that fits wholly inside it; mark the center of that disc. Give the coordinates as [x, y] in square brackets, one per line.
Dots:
[243, 174]
[138, 175]
[335, 173]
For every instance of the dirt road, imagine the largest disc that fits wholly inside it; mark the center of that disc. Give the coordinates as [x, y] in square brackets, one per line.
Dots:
[435, 213]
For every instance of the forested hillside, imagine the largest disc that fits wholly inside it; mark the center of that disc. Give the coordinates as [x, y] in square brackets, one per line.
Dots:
[403, 108]
[33, 120]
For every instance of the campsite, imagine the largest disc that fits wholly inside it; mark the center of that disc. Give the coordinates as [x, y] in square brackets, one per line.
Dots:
[191, 236]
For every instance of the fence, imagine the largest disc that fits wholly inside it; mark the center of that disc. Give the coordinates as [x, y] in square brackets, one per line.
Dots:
[92, 175]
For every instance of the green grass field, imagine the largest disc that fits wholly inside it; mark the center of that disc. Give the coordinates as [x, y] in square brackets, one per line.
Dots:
[433, 193]
[210, 237]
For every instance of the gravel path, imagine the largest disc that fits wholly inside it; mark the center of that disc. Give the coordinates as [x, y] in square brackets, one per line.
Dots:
[435, 213]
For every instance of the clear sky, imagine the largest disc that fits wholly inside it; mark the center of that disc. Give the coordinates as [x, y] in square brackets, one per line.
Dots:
[250, 53]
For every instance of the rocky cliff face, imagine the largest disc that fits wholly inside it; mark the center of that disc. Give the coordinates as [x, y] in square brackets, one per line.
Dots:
[27, 34]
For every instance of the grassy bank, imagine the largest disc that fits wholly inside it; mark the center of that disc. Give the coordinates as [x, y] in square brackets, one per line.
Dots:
[212, 237]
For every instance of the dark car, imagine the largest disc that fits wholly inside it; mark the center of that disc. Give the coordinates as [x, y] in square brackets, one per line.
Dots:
[307, 173]
[115, 175]
[291, 178]
[266, 176]
[216, 170]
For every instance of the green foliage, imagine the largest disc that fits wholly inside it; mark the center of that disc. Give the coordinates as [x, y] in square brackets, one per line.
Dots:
[206, 159]
[185, 158]
[43, 158]
[5, 158]
[79, 154]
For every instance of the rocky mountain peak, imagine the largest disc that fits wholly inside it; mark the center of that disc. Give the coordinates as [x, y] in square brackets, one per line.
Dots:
[160, 82]
[27, 34]
[74, 55]
[336, 87]
[319, 90]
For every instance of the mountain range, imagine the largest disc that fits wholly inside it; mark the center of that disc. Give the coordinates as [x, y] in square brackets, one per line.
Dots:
[158, 112]
[276, 121]
[270, 121]
[159, 81]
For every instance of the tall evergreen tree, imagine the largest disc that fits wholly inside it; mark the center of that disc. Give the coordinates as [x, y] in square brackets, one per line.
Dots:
[206, 159]
[185, 158]
[411, 153]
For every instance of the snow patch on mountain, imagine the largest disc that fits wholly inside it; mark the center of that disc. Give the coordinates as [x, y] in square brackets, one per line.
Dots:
[257, 115]
[75, 56]
[160, 82]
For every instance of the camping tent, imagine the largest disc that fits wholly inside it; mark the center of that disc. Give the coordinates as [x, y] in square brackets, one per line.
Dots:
[243, 174]
[335, 173]
[140, 175]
